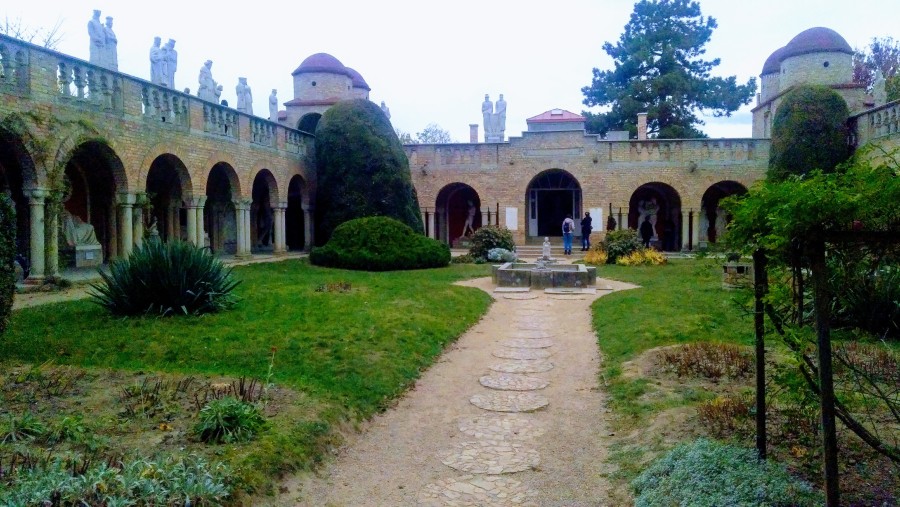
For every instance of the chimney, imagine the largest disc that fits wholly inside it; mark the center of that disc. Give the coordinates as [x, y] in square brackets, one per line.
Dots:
[473, 133]
[642, 126]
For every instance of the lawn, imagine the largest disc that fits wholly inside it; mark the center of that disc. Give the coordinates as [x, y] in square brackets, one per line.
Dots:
[343, 355]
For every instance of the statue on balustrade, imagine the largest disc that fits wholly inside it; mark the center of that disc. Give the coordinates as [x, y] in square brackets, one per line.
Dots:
[207, 89]
[500, 117]
[77, 232]
[98, 38]
[244, 97]
[487, 113]
[157, 70]
[170, 63]
[273, 105]
[879, 89]
[111, 47]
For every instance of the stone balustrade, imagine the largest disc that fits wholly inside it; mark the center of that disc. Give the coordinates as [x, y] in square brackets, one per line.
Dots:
[877, 123]
[41, 75]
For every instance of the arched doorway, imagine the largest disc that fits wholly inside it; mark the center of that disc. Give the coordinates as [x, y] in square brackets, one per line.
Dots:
[222, 187]
[551, 196]
[92, 176]
[712, 218]
[17, 179]
[661, 205]
[456, 205]
[295, 225]
[309, 122]
[168, 182]
[262, 215]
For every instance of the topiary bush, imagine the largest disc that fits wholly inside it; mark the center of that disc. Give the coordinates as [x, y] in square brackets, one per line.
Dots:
[7, 258]
[166, 279]
[809, 132]
[705, 473]
[379, 244]
[488, 237]
[620, 243]
[361, 169]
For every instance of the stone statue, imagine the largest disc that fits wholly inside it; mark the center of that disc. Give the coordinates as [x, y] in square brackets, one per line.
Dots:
[218, 94]
[545, 249]
[111, 47]
[244, 97]
[207, 88]
[97, 34]
[157, 65]
[170, 63]
[487, 112]
[879, 89]
[76, 231]
[469, 226]
[273, 106]
[500, 118]
[385, 110]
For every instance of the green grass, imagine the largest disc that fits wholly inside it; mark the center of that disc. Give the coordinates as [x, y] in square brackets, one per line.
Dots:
[350, 354]
[681, 302]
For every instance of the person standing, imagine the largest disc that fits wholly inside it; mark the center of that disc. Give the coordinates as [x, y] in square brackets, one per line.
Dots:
[98, 39]
[586, 232]
[568, 229]
[646, 232]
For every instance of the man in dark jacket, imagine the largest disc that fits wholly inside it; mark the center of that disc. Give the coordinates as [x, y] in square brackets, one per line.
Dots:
[646, 232]
[586, 232]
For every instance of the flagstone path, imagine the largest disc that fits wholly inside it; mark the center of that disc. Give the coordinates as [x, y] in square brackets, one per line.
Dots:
[510, 415]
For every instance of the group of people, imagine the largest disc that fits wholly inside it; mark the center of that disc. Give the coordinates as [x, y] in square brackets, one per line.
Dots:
[163, 63]
[104, 44]
[568, 230]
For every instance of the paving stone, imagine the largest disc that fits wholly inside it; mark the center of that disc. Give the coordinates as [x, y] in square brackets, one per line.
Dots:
[491, 457]
[521, 296]
[533, 326]
[480, 491]
[500, 427]
[521, 353]
[528, 343]
[513, 382]
[530, 334]
[537, 366]
[505, 401]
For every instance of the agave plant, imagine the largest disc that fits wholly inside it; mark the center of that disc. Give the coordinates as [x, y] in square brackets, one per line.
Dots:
[166, 279]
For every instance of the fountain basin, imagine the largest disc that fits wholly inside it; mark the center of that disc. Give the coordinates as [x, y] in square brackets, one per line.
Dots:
[520, 274]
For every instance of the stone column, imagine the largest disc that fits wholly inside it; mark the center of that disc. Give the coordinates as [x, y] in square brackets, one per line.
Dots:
[172, 218]
[308, 227]
[126, 225]
[51, 240]
[140, 200]
[485, 214]
[192, 222]
[280, 228]
[36, 205]
[695, 235]
[425, 229]
[431, 231]
[200, 202]
[685, 230]
[240, 251]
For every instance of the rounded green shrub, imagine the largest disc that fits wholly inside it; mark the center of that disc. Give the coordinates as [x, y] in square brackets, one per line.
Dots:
[361, 169]
[7, 258]
[620, 243]
[809, 132]
[379, 244]
[489, 237]
[706, 473]
[166, 279]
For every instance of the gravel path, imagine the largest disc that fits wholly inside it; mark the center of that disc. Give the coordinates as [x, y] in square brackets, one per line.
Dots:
[521, 429]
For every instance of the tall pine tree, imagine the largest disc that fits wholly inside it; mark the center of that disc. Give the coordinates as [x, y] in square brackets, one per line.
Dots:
[659, 70]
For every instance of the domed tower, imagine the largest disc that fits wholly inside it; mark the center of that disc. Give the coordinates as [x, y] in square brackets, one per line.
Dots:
[319, 82]
[360, 87]
[818, 56]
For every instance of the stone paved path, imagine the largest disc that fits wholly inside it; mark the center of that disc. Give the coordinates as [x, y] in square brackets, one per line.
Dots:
[509, 416]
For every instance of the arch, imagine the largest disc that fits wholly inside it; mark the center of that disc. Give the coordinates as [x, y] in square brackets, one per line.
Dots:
[93, 176]
[264, 194]
[712, 219]
[550, 196]
[227, 162]
[18, 177]
[295, 218]
[168, 184]
[167, 149]
[308, 122]
[456, 206]
[75, 143]
[661, 205]
[219, 220]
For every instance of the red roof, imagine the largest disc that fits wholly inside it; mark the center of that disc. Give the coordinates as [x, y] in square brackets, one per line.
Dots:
[556, 116]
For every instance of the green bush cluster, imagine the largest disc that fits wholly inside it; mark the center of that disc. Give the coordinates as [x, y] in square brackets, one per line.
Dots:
[7, 258]
[706, 473]
[142, 482]
[620, 243]
[229, 420]
[489, 237]
[166, 279]
[379, 244]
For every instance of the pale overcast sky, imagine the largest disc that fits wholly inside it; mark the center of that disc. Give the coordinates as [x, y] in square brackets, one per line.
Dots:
[432, 62]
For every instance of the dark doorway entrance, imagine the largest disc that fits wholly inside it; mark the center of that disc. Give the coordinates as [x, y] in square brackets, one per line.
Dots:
[554, 205]
[552, 195]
